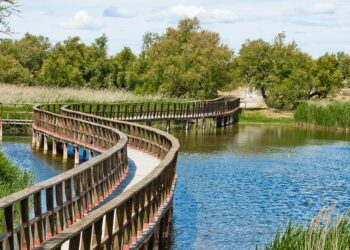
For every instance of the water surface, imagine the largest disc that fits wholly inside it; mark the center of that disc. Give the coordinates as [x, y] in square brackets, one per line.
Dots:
[236, 186]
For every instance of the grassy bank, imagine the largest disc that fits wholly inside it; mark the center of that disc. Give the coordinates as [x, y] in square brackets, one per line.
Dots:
[12, 178]
[266, 116]
[323, 233]
[334, 115]
[23, 94]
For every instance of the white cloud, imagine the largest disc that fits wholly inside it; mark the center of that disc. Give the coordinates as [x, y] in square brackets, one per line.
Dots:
[177, 12]
[118, 12]
[82, 20]
[323, 8]
[317, 9]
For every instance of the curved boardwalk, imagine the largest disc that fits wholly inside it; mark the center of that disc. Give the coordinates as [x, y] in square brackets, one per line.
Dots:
[119, 199]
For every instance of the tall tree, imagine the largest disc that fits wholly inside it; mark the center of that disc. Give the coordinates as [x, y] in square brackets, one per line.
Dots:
[30, 51]
[328, 74]
[185, 61]
[64, 65]
[280, 71]
[123, 60]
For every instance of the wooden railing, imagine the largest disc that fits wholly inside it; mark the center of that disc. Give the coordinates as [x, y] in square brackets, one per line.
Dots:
[37, 213]
[161, 110]
[123, 221]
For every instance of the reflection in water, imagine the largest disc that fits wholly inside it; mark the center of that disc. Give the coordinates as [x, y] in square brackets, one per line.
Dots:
[236, 186]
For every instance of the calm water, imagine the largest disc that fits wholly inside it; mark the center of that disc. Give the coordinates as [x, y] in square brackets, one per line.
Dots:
[237, 185]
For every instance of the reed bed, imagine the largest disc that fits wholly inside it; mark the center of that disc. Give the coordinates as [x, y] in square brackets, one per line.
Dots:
[28, 94]
[324, 232]
[331, 115]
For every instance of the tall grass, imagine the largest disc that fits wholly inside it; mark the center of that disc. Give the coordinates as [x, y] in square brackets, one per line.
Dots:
[333, 115]
[324, 232]
[12, 178]
[25, 94]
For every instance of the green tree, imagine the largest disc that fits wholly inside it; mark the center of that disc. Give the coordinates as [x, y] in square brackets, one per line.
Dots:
[64, 66]
[123, 60]
[185, 61]
[11, 71]
[280, 71]
[100, 71]
[344, 67]
[328, 74]
[30, 51]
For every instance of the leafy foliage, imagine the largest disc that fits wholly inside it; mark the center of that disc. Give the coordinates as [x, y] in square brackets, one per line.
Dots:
[11, 71]
[280, 71]
[185, 61]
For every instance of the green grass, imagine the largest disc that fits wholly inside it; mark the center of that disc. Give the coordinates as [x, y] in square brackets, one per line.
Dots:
[323, 233]
[12, 178]
[326, 115]
[255, 116]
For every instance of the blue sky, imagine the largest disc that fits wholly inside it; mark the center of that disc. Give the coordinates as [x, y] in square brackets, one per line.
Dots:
[317, 26]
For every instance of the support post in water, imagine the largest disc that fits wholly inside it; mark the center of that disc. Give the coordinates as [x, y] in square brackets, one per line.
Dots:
[38, 140]
[33, 139]
[45, 144]
[54, 147]
[76, 155]
[65, 151]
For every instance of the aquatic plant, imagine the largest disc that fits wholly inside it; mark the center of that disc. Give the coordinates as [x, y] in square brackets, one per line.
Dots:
[333, 115]
[324, 232]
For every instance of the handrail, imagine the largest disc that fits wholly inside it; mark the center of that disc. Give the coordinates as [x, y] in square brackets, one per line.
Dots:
[40, 211]
[132, 111]
[135, 209]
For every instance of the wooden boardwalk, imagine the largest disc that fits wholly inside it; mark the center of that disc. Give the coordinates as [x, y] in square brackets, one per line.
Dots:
[120, 199]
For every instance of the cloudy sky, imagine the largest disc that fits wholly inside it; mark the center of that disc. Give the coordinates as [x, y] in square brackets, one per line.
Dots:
[317, 26]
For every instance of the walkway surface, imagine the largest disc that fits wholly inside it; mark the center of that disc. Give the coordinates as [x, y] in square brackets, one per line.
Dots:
[140, 165]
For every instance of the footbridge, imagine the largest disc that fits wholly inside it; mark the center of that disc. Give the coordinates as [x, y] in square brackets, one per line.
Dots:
[122, 197]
